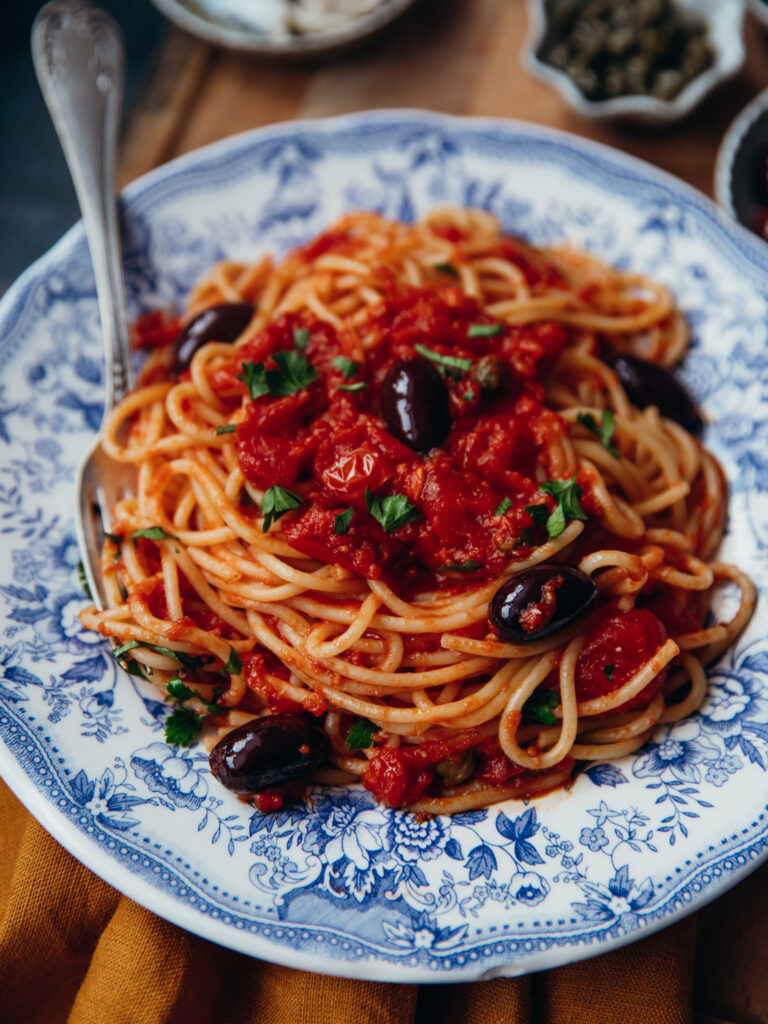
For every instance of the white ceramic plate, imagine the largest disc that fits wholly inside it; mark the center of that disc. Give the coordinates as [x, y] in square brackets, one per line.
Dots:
[345, 886]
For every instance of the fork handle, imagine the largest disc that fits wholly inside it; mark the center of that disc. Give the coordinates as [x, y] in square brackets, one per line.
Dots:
[79, 59]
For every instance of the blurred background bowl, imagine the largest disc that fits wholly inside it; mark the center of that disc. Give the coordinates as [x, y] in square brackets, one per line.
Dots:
[741, 168]
[724, 20]
[212, 22]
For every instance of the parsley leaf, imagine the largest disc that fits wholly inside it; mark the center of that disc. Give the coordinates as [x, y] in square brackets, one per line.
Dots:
[181, 727]
[348, 367]
[114, 537]
[189, 661]
[276, 502]
[538, 707]
[83, 579]
[392, 511]
[292, 374]
[357, 386]
[452, 365]
[360, 736]
[503, 506]
[178, 690]
[254, 376]
[225, 428]
[604, 431]
[153, 533]
[235, 664]
[608, 669]
[566, 493]
[301, 336]
[538, 513]
[468, 395]
[469, 566]
[446, 268]
[484, 330]
[342, 520]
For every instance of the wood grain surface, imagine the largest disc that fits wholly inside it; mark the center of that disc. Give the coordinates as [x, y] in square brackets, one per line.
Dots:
[463, 57]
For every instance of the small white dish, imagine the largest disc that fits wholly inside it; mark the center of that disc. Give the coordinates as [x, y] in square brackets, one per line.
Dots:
[269, 38]
[724, 19]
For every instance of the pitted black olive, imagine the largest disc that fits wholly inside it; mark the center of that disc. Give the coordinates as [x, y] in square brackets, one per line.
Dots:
[541, 601]
[414, 404]
[269, 752]
[650, 384]
[224, 322]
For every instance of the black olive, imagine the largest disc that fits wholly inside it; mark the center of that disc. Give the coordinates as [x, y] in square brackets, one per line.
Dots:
[650, 384]
[224, 322]
[414, 404]
[524, 609]
[269, 752]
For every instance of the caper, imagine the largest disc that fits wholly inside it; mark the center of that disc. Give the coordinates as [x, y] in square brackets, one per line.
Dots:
[490, 373]
[456, 770]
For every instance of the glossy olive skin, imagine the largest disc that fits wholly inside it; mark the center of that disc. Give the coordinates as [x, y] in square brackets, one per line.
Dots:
[414, 404]
[650, 384]
[267, 754]
[224, 322]
[573, 598]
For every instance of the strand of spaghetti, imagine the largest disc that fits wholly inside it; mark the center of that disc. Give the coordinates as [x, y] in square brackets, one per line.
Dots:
[318, 647]
[633, 686]
[479, 794]
[694, 700]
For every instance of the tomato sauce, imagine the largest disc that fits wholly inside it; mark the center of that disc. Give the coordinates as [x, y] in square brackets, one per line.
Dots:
[331, 445]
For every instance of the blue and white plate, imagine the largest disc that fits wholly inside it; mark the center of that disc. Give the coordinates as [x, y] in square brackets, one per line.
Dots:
[343, 885]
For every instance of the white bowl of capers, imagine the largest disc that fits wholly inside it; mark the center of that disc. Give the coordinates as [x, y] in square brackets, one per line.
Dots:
[643, 60]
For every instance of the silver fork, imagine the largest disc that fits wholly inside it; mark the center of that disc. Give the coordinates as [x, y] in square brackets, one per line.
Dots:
[79, 60]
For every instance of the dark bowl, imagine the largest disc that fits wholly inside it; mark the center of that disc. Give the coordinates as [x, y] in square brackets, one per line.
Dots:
[741, 168]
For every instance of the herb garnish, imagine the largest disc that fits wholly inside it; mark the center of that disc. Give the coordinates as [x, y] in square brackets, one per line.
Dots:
[348, 367]
[446, 268]
[538, 707]
[235, 665]
[292, 374]
[469, 566]
[604, 432]
[254, 376]
[361, 734]
[83, 579]
[225, 428]
[608, 670]
[116, 538]
[452, 365]
[566, 493]
[301, 337]
[392, 511]
[357, 386]
[181, 693]
[484, 330]
[342, 520]
[538, 513]
[153, 533]
[468, 395]
[503, 506]
[181, 727]
[192, 662]
[276, 502]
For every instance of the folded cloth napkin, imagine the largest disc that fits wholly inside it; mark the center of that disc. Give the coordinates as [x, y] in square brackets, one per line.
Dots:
[74, 950]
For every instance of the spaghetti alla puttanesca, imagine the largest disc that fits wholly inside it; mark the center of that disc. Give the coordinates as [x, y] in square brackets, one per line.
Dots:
[347, 467]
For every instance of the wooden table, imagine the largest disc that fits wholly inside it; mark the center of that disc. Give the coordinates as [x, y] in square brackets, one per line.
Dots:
[461, 57]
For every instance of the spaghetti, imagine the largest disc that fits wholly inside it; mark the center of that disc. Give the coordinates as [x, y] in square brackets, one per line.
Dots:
[299, 543]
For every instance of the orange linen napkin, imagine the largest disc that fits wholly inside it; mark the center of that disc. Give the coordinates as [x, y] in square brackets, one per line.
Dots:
[74, 951]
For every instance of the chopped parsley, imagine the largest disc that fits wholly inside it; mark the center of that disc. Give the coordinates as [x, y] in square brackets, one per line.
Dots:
[182, 693]
[254, 376]
[225, 428]
[566, 493]
[446, 268]
[452, 365]
[114, 537]
[604, 432]
[181, 727]
[276, 502]
[342, 520]
[292, 374]
[357, 386]
[348, 367]
[504, 505]
[235, 664]
[468, 395]
[83, 579]
[484, 330]
[392, 511]
[301, 337]
[608, 670]
[153, 533]
[469, 566]
[191, 662]
[538, 513]
[538, 707]
[361, 734]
